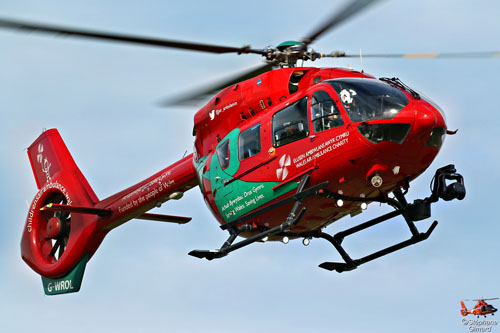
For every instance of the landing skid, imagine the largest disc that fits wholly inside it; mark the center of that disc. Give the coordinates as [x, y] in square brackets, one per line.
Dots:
[418, 210]
[351, 264]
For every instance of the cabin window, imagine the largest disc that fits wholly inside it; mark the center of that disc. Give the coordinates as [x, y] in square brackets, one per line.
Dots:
[223, 154]
[249, 142]
[290, 124]
[324, 112]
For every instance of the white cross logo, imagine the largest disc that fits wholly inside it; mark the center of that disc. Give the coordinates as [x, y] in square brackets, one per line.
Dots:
[282, 171]
[40, 155]
[44, 162]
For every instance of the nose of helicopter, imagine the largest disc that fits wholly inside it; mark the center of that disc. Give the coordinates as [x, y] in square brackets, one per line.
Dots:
[429, 127]
[428, 114]
[423, 140]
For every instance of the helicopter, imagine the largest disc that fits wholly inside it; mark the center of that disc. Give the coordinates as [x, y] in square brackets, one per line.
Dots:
[279, 154]
[480, 309]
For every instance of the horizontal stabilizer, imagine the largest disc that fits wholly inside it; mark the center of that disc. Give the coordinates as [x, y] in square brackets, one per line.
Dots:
[164, 218]
[52, 207]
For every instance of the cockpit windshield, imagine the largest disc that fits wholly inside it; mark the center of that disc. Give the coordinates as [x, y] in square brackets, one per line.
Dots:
[369, 99]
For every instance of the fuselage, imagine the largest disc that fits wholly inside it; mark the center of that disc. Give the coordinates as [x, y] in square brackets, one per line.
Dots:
[255, 140]
[481, 309]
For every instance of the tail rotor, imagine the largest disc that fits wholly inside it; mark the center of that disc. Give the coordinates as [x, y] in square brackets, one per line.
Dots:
[58, 228]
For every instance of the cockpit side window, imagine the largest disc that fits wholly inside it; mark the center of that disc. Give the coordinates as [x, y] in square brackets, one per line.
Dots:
[369, 99]
[290, 124]
[324, 112]
[223, 154]
[249, 142]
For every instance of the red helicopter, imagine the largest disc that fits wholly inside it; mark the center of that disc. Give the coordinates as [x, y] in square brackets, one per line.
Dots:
[279, 154]
[481, 309]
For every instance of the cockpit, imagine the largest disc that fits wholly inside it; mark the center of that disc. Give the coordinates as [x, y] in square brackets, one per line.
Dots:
[368, 99]
[362, 99]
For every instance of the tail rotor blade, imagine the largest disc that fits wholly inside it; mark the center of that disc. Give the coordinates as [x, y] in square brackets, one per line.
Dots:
[62, 246]
[55, 247]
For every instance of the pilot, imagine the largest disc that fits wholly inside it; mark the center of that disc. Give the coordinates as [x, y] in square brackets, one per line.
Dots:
[289, 134]
[350, 105]
[291, 131]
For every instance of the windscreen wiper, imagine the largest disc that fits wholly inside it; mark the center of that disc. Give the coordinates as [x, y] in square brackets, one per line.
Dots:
[397, 82]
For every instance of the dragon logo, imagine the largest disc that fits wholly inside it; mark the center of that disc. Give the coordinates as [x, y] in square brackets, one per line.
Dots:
[44, 162]
[282, 171]
[347, 96]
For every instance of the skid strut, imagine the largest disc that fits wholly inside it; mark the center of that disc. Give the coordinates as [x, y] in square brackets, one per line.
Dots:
[418, 210]
[234, 230]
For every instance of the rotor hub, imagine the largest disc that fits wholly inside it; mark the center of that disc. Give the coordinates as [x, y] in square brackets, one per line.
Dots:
[53, 227]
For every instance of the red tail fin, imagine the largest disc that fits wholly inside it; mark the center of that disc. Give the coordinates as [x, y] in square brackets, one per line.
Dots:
[50, 158]
[47, 233]
[464, 309]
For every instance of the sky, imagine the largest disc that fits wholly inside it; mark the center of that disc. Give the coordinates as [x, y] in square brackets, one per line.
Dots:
[103, 98]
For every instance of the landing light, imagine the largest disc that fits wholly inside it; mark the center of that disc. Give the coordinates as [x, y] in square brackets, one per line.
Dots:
[377, 181]
[364, 205]
[306, 241]
[340, 203]
[285, 240]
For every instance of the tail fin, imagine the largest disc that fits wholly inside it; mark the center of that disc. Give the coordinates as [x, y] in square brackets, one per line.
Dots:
[70, 235]
[464, 309]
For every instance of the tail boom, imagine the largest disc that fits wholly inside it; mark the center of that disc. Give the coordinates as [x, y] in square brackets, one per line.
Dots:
[170, 183]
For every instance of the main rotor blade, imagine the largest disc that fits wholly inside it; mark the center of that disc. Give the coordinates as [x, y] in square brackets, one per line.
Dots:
[194, 98]
[435, 55]
[352, 8]
[115, 37]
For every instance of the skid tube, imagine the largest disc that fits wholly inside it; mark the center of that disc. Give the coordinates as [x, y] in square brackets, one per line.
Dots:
[416, 211]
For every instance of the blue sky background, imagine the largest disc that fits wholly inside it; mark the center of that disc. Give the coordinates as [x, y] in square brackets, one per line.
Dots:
[101, 97]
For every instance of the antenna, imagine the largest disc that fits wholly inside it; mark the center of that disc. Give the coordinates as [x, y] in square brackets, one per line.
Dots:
[361, 59]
